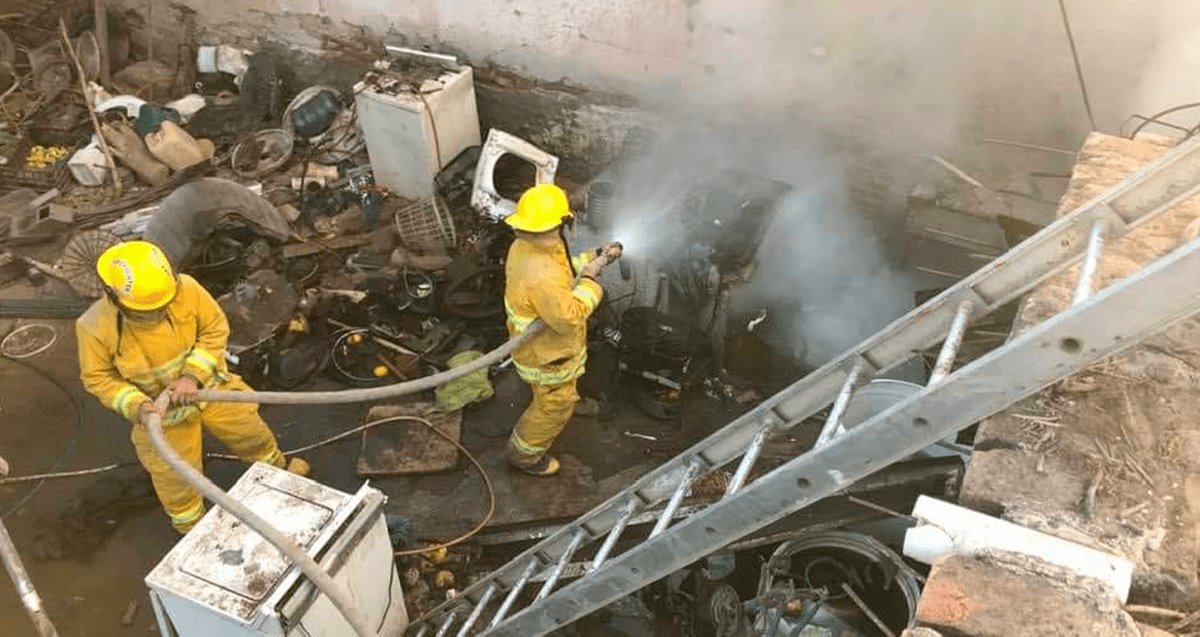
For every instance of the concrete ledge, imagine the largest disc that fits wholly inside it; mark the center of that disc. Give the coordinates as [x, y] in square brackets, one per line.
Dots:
[1012, 596]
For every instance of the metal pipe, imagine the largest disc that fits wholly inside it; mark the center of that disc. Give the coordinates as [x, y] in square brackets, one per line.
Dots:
[668, 513]
[661, 380]
[338, 595]
[867, 610]
[484, 600]
[444, 629]
[1091, 261]
[747, 463]
[28, 594]
[403, 50]
[957, 172]
[1048, 149]
[576, 541]
[506, 605]
[954, 339]
[615, 534]
[833, 422]
[422, 630]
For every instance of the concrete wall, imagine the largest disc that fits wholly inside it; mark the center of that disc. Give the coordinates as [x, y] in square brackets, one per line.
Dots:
[879, 81]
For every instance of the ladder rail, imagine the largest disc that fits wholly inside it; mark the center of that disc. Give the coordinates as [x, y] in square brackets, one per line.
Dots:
[1140, 197]
[1111, 320]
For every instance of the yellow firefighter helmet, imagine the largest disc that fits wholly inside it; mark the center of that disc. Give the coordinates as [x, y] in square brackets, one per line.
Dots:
[542, 208]
[138, 274]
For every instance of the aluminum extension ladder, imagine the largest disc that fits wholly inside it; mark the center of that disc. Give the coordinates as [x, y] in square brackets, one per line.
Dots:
[1094, 326]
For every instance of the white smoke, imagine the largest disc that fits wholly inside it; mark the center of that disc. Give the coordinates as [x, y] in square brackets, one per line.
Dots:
[823, 269]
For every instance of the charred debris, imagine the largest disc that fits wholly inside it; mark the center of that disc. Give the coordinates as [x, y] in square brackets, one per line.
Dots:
[352, 234]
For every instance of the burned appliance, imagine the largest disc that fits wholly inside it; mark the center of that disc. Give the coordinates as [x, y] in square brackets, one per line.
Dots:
[730, 217]
[225, 579]
[668, 348]
[664, 355]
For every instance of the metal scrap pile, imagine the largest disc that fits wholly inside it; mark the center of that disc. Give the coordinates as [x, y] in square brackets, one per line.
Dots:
[318, 267]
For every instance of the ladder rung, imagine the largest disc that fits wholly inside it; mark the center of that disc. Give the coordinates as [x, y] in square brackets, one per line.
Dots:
[664, 519]
[627, 513]
[444, 628]
[1091, 261]
[509, 599]
[576, 541]
[484, 600]
[954, 339]
[833, 423]
[747, 463]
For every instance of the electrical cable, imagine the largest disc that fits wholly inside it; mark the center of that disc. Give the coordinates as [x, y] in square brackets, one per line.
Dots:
[371, 394]
[7, 350]
[338, 595]
[487, 483]
[1087, 103]
[487, 480]
[67, 450]
[1163, 113]
[333, 355]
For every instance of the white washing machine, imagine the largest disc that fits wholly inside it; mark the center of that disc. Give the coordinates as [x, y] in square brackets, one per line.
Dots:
[224, 579]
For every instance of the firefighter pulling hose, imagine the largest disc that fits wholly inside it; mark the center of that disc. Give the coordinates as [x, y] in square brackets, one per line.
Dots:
[157, 331]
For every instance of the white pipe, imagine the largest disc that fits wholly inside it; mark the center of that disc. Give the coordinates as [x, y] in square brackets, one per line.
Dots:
[950, 529]
[25, 590]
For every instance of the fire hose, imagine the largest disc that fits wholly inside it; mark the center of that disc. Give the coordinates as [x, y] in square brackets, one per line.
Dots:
[336, 593]
[371, 394]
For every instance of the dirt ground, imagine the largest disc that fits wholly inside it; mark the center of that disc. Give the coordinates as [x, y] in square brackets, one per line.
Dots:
[1111, 456]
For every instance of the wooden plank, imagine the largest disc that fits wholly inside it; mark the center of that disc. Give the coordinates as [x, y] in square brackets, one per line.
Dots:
[321, 245]
[409, 447]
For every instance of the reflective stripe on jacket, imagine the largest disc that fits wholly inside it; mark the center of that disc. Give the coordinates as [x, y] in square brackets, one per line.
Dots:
[539, 284]
[124, 363]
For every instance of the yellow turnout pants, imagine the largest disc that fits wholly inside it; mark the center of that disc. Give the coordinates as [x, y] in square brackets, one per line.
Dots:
[237, 425]
[542, 422]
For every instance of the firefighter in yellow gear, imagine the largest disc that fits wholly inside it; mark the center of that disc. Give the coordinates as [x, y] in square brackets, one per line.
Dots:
[543, 282]
[157, 331]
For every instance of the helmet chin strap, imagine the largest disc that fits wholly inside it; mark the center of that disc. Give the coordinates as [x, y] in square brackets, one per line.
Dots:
[562, 235]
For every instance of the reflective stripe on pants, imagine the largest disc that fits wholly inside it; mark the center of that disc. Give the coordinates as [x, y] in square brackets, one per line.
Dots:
[570, 371]
[542, 422]
[237, 425]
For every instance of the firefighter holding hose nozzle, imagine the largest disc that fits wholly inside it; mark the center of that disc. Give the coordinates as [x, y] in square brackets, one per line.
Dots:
[543, 281]
[157, 331]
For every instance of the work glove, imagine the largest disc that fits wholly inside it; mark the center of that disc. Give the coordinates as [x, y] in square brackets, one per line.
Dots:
[183, 390]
